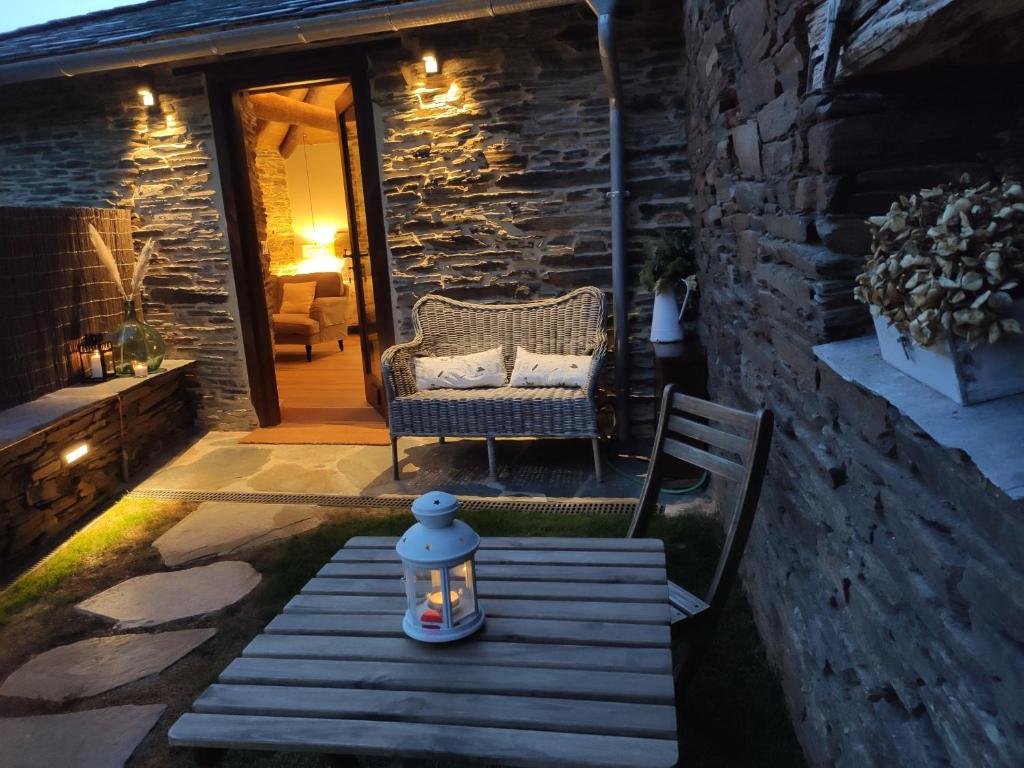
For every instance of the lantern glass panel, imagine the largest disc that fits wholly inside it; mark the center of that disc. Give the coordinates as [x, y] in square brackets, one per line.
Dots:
[427, 594]
[95, 358]
[463, 590]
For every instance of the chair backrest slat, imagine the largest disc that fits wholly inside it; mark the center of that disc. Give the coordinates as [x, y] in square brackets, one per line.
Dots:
[740, 420]
[726, 441]
[727, 469]
[678, 419]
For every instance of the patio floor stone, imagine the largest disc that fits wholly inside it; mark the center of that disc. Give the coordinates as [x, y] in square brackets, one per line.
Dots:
[220, 528]
[526, 468]
[90, 667]
[147, 601]
[97, 738]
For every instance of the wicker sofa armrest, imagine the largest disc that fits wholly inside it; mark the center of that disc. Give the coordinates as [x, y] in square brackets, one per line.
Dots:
[600, 342]
[396, 369]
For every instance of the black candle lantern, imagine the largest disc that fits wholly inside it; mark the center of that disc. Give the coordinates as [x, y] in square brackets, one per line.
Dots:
[96, 358]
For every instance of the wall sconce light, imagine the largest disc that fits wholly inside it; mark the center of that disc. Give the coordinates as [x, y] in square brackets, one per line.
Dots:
[148, 99]
[71, 455]
[430, 64]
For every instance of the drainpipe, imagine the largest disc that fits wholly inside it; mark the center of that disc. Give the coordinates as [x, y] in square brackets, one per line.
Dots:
[605, 11]
[327, 27]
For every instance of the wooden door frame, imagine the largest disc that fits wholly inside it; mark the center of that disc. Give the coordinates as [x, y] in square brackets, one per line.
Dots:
[223, 80]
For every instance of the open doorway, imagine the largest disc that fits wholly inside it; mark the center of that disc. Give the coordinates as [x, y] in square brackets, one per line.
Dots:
[306, 184]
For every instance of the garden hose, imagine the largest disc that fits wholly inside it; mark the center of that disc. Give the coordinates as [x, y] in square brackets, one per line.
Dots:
[639, 480]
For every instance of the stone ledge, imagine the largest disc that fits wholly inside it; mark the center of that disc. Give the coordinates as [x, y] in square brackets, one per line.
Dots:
[22, 420]
[991, 433]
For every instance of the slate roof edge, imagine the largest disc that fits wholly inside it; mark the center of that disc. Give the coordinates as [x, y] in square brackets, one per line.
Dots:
[290, 31]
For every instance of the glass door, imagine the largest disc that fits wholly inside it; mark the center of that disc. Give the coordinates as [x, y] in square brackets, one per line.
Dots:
[369, 330]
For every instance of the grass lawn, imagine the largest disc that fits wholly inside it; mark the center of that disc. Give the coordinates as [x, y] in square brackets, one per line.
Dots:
[733, 715]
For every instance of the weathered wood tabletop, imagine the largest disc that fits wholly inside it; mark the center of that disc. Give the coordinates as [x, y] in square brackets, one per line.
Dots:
[573, 667]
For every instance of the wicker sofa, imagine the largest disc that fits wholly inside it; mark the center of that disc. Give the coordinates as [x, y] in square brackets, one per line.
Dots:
[573, 324]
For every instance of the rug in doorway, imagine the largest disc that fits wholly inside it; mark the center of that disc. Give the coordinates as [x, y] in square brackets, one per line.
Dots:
[320, 434]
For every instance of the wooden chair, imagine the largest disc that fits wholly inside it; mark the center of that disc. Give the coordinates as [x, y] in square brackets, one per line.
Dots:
[687, 428]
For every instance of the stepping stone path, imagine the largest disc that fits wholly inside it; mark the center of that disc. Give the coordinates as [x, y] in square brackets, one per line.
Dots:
[93, 666]
[157, 598]
[98, 738]
[219, 528]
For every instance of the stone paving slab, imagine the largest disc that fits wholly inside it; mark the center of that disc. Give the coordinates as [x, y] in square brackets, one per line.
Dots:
[526, 467]
[90, 667]
[147, 601]
[221, 528]
[98, 738]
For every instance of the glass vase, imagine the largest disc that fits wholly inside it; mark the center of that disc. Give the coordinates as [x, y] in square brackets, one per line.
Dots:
[135, 342]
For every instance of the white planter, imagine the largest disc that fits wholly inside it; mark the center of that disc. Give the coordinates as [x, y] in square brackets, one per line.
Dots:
[967, 376]
[666, 329]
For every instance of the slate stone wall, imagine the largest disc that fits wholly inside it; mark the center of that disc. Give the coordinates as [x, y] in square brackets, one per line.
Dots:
[89, 141]
[884, 571]
[273, 182]
[41, 497]
[496, 171]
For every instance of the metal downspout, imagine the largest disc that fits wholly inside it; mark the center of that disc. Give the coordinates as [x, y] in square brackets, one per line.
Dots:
[605, 11]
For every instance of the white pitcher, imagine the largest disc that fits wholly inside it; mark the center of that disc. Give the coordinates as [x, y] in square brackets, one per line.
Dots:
[666, 323]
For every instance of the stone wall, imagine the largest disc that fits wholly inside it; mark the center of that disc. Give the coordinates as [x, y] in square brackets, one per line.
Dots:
[273, 181]
[41, 497]
[884, 571]
[495, 172]
[89, 141]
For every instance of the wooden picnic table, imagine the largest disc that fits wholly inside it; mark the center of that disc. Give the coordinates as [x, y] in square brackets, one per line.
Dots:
[573, 667]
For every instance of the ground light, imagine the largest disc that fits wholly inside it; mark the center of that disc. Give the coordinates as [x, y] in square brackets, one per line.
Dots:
[71, 455]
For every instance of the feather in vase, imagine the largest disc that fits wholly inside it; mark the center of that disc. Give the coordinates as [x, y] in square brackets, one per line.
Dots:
[139, 274]
[107, 258]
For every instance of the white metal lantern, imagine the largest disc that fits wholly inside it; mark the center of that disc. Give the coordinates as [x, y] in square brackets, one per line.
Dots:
[440, 573]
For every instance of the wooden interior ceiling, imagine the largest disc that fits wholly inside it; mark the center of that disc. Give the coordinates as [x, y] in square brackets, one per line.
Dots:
[290, 117]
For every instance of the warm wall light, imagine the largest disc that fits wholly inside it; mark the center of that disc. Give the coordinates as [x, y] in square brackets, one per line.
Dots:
[71, 455]
[318, 258]
[148, 100]
[430, 65]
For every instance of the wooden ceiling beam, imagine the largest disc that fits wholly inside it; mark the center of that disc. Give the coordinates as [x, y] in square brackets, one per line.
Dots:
[281, 109]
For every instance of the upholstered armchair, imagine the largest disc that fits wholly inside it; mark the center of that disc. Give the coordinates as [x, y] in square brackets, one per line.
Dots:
[327, 319]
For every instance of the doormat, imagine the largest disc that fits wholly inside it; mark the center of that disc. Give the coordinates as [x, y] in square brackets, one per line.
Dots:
[320, 434]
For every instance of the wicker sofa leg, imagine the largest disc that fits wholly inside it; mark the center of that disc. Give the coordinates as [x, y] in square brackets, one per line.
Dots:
[597, 459]
[394, 459]
[309, 353]
[492, 460]
[440, 439]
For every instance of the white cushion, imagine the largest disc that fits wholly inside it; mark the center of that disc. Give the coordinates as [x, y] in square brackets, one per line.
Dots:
[533, 370]
[480, 369]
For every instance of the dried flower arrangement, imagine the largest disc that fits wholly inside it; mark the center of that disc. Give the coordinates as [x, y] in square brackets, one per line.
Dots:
[948, 260]
[108, 260]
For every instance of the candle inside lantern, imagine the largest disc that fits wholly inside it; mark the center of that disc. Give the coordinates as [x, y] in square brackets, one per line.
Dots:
[95, 366]
[434, 600]
[139, 370]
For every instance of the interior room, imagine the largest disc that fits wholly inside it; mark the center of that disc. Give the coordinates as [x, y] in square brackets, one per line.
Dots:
[300, 190]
